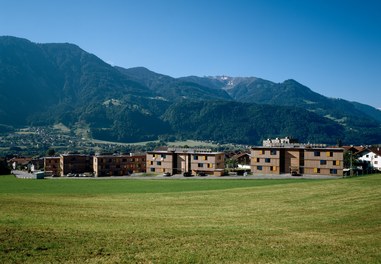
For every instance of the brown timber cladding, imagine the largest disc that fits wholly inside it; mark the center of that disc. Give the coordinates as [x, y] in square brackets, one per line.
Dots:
[184, 161]
[75, 163]
[118, 165]
[52, 166]
[314, 161]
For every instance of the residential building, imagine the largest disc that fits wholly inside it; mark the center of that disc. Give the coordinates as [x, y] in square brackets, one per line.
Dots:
[19, 163]
[353, 149]
[36, 164]
[180, 160]
[118, 165]
[298, 159]
[75, 163]
[52, 166]
[242, 160]
[324, 161]
[372, 155]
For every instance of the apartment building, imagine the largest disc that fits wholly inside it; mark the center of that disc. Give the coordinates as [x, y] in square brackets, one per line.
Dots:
[178, 160]
[118, 165]
[325, 161]
[75, 163]
[52, 166]
[297, 159]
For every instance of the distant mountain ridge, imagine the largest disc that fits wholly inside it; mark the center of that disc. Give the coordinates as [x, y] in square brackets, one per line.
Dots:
[44, 84]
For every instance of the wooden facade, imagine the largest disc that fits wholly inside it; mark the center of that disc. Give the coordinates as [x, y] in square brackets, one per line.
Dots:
[52, 166]
[75, 164]
[118, 165]
[297, 160]
[178, 161]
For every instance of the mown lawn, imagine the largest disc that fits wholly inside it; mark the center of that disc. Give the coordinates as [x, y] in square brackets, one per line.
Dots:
[197, 221]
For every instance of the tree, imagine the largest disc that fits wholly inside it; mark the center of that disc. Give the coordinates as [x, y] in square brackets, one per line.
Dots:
[349, 159]
[4, 169]
[231, 163]
[51, 152]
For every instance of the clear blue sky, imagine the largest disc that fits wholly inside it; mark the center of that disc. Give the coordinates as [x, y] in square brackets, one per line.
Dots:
[331, 46]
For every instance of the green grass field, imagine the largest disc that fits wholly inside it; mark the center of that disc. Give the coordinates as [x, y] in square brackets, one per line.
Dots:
[190, 221]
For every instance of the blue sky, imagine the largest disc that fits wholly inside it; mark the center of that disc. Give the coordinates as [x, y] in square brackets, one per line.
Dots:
[333, 47]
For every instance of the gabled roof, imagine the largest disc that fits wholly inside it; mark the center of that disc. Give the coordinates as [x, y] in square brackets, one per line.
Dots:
[375, 150]
[240, 155]
[22, 161]
[354, 149]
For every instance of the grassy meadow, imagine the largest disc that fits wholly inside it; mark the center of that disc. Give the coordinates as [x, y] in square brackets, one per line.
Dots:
[190, 221]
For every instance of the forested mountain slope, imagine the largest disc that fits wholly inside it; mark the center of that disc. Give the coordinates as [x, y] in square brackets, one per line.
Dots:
[44, 84]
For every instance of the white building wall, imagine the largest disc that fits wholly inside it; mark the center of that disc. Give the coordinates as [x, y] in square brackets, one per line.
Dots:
[372, 158]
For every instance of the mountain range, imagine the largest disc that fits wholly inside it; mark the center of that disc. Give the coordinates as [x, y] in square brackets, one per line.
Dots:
[44, 84]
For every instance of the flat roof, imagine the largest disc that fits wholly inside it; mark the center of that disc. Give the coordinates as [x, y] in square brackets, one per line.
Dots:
[300, 147]
[75, 155]
[119, 156]
[190, 151]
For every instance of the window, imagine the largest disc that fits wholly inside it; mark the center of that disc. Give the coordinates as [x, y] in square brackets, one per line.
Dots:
[273, 168]
[163, 156]
[151, 162]
[210, 165]
[152, 169]
[333, 171]
[159, 163]
[367, 156]
[263, 152]
[329, 154]
[195, 157]
[376, 162]
[317, 153]
[154, 155]
[267, 160]
[323, 162]
[205, 157]
[336, 163]
[200, 165]
[316, 170]
[273, 152]
[258, 159]
[259, 168]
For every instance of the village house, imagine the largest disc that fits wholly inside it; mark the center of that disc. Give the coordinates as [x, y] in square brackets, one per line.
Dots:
[242, 160]
[19, 163]
[371, 155]
[186, 160]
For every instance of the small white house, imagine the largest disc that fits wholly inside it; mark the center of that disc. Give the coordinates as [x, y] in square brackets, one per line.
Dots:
[371, 155]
